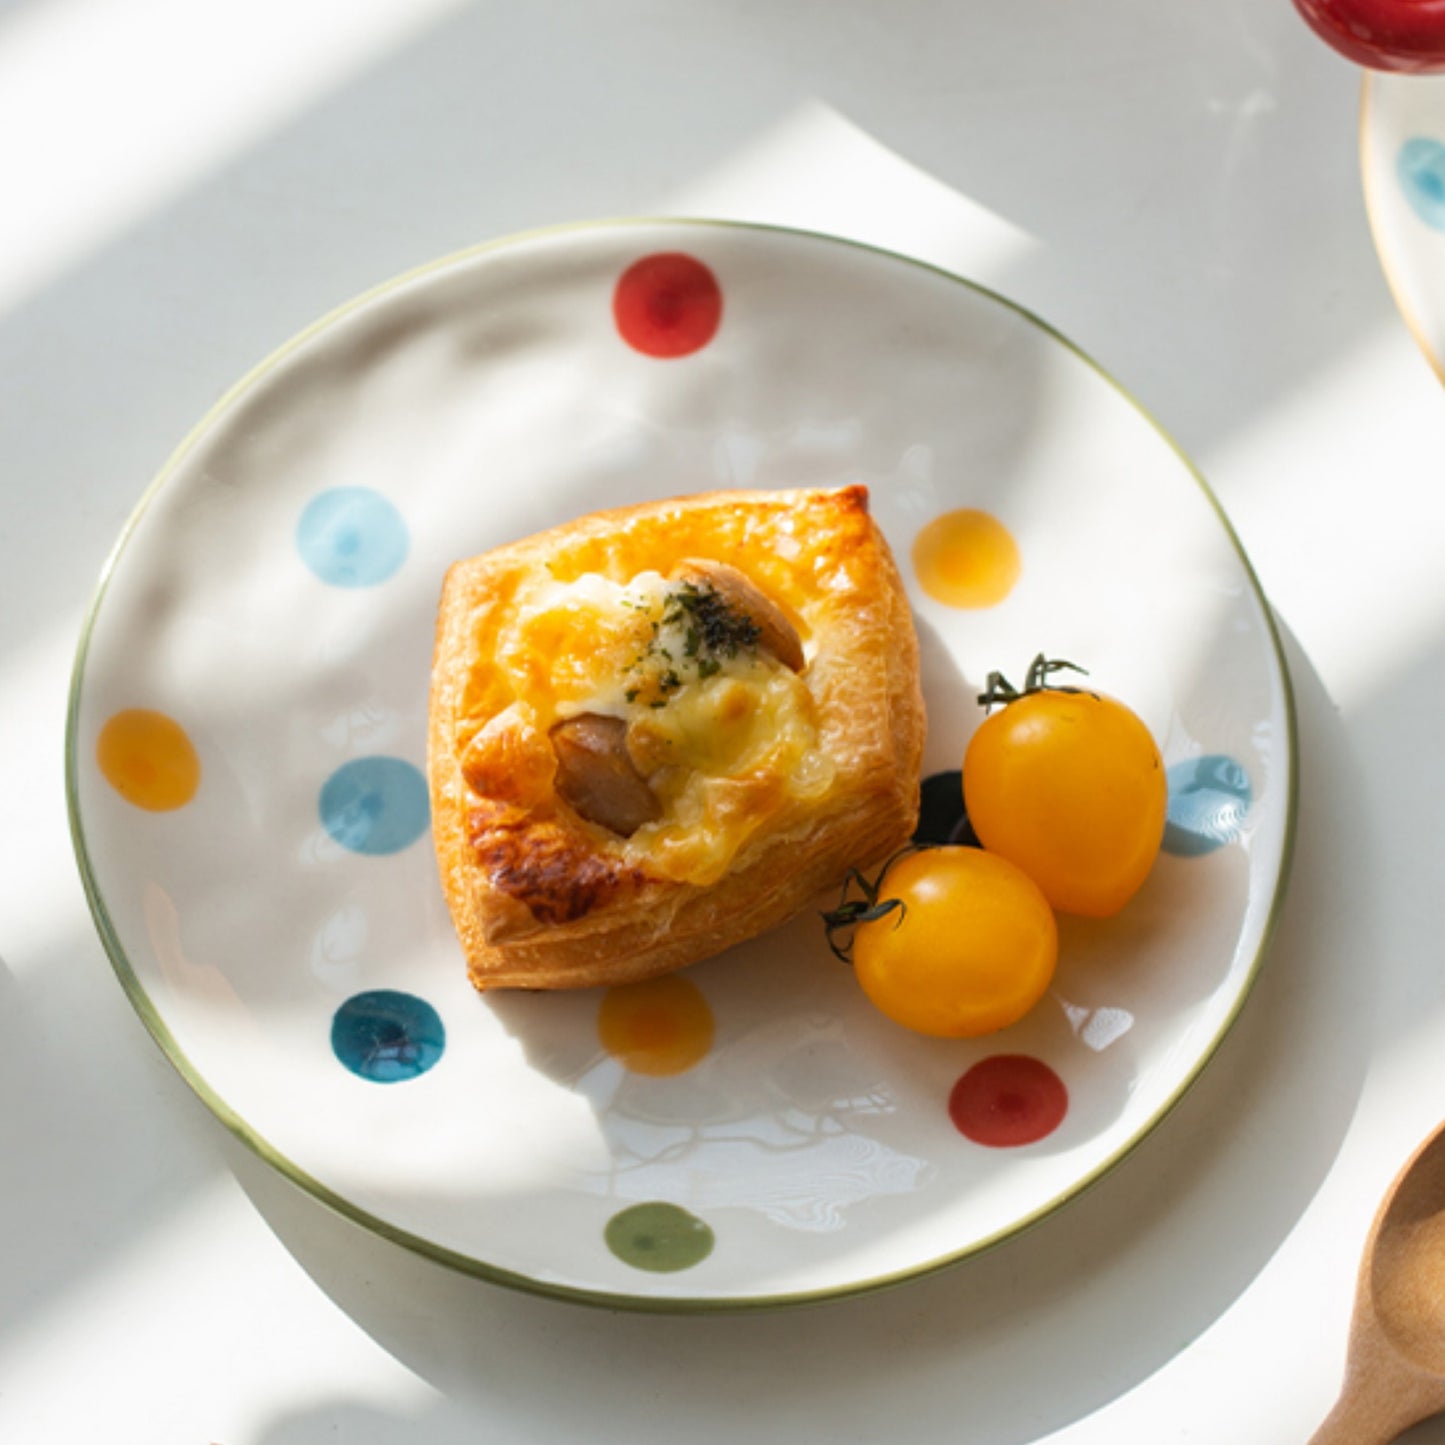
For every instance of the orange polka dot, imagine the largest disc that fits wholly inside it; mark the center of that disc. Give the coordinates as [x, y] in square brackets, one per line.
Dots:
[660, 1026]
[148, 759]
[966, 558]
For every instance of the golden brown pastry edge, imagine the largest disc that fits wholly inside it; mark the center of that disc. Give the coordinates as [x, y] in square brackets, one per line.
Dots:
[655, 926]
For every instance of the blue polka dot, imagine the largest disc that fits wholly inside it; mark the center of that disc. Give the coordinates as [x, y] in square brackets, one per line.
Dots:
[1421, 169]
[1209, 798]
[352, 537]
[375, 805]
[386, 1036]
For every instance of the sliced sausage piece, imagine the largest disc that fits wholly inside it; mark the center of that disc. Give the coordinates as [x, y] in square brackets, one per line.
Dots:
[741, 593]
[596, 777]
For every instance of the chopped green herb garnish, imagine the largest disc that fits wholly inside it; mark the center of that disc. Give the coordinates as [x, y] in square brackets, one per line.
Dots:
[708, 629]
[721, 628]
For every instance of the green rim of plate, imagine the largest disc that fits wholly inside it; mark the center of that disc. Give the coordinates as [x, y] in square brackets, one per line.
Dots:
[701, 1304]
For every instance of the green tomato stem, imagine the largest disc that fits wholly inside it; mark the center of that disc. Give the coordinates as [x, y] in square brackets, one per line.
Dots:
[998, 690]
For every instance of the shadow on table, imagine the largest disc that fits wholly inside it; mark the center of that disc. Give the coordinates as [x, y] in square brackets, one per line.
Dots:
[90, 1173]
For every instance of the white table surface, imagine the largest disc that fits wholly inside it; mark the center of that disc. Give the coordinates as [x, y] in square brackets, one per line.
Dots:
[1173, 185]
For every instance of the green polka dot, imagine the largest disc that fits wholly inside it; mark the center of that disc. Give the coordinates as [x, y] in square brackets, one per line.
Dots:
[659, 1237]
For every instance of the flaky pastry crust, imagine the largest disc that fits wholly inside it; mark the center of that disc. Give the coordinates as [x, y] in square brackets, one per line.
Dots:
[542, 897]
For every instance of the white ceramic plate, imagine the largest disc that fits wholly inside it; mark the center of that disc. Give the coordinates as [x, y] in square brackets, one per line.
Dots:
[1402, 150]
[248, 719]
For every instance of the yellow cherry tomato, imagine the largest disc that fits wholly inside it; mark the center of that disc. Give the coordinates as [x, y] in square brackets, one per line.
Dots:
[971, 949]
[1071, 787]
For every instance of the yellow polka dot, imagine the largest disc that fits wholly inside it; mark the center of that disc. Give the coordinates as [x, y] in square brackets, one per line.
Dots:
[148, 759]
[659, 1026]
[966, 558]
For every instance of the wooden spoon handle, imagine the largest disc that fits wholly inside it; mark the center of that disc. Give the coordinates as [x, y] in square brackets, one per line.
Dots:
[1378, 1405]
[1357, 1420]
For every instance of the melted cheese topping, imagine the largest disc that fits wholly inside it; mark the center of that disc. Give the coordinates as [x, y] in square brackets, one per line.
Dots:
[725, 735]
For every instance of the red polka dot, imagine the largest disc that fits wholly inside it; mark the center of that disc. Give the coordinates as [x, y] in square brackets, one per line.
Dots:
[667, 305]
[1008, 1100]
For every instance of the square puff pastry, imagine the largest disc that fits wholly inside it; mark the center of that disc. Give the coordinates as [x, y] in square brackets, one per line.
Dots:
[658, 731]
